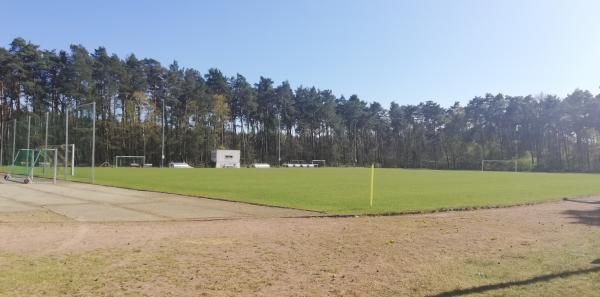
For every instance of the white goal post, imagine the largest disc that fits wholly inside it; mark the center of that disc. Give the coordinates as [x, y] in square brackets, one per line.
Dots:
[500, 165]
[45, 165]
[66, 157]
[130, 161]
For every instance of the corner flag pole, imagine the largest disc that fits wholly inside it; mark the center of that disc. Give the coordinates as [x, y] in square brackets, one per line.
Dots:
[372, 179]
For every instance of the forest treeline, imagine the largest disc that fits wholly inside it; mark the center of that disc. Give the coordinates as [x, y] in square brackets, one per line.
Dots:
[264, 119]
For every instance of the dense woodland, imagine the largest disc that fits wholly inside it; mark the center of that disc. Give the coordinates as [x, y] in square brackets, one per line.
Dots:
[204, 111]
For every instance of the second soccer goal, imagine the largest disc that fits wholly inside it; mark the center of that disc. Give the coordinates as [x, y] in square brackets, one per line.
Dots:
[130, 161]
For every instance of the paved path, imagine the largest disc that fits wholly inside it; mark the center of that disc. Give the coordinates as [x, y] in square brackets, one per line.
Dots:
[91, 203]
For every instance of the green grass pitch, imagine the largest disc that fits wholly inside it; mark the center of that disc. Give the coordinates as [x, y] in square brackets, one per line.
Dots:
[346, 190]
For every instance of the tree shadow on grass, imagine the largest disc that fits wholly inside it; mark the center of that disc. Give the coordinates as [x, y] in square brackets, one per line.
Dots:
[525, 282]
[587, 217]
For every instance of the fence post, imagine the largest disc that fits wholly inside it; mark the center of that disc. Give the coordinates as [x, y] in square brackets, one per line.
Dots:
[66, 142]
[93, 142]
[14, 141]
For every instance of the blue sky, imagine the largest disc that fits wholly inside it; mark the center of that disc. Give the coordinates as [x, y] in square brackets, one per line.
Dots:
[403, 51]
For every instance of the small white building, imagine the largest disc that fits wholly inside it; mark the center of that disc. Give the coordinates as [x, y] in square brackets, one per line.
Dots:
[225, 158]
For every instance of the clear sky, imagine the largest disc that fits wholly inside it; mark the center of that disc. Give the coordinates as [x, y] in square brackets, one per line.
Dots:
[403, 51]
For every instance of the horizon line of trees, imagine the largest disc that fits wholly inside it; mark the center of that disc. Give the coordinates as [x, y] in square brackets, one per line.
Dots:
[265, 120]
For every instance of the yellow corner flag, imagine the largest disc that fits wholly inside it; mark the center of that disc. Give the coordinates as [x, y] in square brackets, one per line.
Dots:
[372, 179]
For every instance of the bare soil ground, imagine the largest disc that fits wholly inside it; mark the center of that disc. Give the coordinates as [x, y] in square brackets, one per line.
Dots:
[548, 249]
[68, 201]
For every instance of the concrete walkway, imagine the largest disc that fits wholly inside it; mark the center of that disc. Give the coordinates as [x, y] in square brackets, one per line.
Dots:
[91, 203]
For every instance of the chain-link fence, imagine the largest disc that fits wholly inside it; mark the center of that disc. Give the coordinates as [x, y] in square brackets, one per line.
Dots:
[7, 145]
[70, 135]
[80, 134]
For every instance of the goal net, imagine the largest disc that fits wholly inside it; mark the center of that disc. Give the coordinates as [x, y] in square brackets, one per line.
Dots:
[130, 161]
[21, 168]
[432, 164]
[499, 165]
[45, 165]
[66, 159]
[70, 134]
[33, 163]
[6, 143]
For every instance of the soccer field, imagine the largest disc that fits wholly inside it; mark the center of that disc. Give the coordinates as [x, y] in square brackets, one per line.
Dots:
[346, 190]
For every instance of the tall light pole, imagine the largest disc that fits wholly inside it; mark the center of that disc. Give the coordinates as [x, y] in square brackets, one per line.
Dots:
[94, 142]
[279, 139]
[162, 156]
[517, 149]
[14, 140]
[28, 131]
[1, 142]
[46, 138]
[144, 118]
[66, 142]
[1, 135]
[355, 146]
[1, 127]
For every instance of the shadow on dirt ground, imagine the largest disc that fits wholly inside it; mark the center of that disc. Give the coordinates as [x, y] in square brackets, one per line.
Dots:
[587, 217]
[525, 282]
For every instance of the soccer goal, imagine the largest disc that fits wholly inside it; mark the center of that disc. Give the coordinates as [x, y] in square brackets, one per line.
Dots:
[432, 164]
[499, 165]
[130, 161]
[71, 135]
[66, 158]
[28, 164]
[45, 165]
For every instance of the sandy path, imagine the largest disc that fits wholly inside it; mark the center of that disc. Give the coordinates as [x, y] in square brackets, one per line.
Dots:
[93, 203]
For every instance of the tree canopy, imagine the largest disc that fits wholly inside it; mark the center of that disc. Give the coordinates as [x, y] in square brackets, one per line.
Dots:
[204, 112]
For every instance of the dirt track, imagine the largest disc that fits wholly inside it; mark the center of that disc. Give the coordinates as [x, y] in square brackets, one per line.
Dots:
[546, 249]
[67, 201]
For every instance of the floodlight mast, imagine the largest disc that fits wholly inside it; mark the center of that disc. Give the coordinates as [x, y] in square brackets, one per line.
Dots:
[1, 136]
[94, 142]
[28, 130]
[55, 165]
[46, 138]
[162, 156]
[14, 140]
[1, 141]
[517, 149]
[66, 142]
[279, 139]
[1, 129]
[28, 140]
